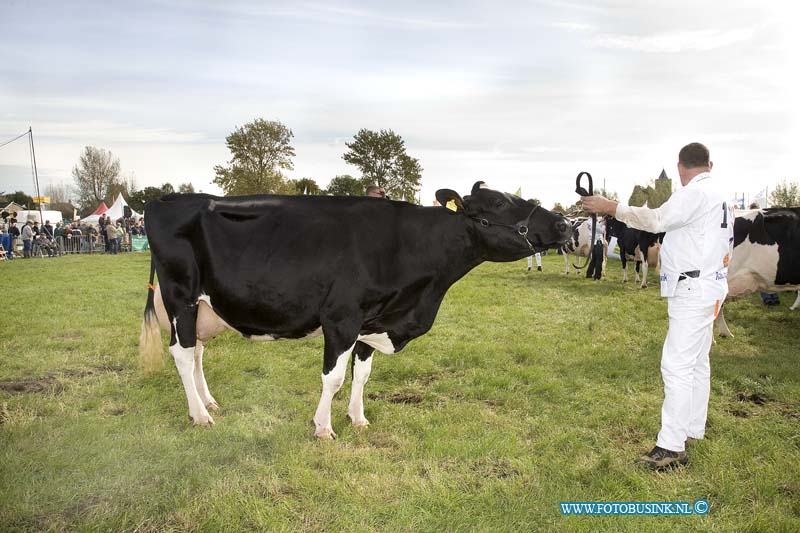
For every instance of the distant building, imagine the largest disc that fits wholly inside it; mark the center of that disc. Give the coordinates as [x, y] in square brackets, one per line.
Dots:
[652, 195]
[14, 207]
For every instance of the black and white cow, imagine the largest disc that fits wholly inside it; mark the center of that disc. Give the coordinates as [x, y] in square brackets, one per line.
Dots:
[579, 244]
[642, 247]
[365, 273]
[766, 255]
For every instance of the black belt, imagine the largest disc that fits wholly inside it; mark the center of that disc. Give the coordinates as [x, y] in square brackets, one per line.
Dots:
[691, 274]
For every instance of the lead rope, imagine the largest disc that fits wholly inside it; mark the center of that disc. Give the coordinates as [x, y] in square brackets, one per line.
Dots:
[583, 192]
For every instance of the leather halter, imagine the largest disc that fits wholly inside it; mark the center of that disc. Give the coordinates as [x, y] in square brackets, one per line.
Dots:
[520, 227]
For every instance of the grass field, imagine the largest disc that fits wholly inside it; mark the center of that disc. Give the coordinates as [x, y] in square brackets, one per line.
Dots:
[531, 389]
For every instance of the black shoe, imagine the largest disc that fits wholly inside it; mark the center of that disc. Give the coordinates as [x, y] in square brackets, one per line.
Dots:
[661, 459]
[538, 268]
[529, 269]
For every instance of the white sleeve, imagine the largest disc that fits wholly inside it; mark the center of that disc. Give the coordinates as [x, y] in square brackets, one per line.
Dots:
[681, 208]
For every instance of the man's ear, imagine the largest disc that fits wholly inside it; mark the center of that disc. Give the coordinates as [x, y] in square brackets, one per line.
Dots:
[478, 186]
[450, 199]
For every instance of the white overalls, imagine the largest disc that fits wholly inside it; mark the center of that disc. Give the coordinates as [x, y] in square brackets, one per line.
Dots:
[697, 246]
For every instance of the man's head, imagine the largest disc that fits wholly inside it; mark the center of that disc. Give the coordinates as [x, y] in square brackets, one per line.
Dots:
[375, 192]
[693, 159]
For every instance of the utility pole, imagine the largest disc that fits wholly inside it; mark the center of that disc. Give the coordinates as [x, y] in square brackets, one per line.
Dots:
[35, 174]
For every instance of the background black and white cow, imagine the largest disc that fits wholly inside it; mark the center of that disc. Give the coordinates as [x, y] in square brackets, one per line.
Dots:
[365, 273]
[640, 246]
[766, 254]
[579, 244]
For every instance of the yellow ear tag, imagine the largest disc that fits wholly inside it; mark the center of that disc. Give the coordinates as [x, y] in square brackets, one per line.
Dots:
[451, 205]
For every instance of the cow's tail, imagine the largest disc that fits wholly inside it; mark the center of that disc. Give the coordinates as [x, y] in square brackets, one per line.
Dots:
[150, 351]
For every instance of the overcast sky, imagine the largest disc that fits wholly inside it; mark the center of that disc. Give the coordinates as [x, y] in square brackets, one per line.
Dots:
[518, 94]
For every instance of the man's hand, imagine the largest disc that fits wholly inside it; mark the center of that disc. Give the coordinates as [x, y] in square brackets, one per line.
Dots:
[599, 204]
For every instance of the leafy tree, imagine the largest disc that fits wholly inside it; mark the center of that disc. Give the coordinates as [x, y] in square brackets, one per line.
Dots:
[383, 161]
[125, 186]
[19, 197]
[610, 195]
[96, 172]
[138, 199]
[58, 193]
[653, 195]
[259, 149]
[638, 196]
[306, 186]
[558, 208]
[186, 188]
[345, 185]
[785, 195]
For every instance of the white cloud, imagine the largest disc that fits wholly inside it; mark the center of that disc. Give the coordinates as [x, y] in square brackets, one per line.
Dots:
[674, 42]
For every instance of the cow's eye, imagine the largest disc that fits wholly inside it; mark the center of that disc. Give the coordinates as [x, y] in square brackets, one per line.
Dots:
[499, 203]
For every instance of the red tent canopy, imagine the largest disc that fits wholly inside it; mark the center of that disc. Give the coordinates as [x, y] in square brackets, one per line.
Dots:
[102, 208]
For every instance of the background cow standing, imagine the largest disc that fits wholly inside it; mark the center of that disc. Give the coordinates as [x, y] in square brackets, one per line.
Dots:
[579, 244]
[766, 255]
[642, 247]
[364, 273]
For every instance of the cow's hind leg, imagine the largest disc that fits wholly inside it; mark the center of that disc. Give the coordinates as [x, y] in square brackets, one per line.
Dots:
[200, 379]
[796, 303]
[722, 326]
[362, 366]
[182, 348]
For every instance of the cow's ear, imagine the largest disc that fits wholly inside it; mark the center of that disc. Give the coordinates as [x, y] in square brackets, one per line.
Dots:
[478, 186]
[450, 199]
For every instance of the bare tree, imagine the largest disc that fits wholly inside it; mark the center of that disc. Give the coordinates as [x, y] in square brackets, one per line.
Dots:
[96, 174]
[59, 193]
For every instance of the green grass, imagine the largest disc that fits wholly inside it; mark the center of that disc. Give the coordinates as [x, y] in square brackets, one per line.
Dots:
[530, 389]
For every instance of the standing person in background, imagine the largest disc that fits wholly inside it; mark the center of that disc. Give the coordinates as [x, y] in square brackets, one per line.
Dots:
[694, 270]
[111, 235]
[538, 256]
[27, 239]
[375, 192]
[598, 249]
[101, 222]
[15, 233]
[48, 230]
[120, 232]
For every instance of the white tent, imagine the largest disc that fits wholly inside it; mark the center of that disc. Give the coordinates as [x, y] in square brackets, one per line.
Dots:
[116, 211]
[31, 214]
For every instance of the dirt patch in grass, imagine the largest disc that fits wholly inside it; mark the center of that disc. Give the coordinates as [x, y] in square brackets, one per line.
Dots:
[494, 467]
[397, 397]
[738, 413]
[27, 386]
[756, 398]
[50, 382]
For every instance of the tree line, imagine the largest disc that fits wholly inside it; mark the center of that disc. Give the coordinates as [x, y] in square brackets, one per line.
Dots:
[261, 151]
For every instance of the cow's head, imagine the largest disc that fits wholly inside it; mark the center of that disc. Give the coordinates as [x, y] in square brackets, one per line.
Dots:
[504, 224]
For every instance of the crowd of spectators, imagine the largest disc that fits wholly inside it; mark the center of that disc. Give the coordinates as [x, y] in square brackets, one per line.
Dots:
[111, 236]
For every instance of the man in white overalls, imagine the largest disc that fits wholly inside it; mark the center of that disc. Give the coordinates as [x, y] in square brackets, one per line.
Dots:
[694, 261]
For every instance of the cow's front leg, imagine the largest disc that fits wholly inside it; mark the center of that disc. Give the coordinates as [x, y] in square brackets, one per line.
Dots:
[334, 368]
[362, 366]
[200, 379]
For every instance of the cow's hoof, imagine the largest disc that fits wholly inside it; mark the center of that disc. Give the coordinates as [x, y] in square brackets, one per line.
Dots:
[213, 406]
[202, 420]
[360, 423]
[325, 434]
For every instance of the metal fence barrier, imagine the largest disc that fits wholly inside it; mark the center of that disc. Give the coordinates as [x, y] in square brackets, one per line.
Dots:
[75, 244]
